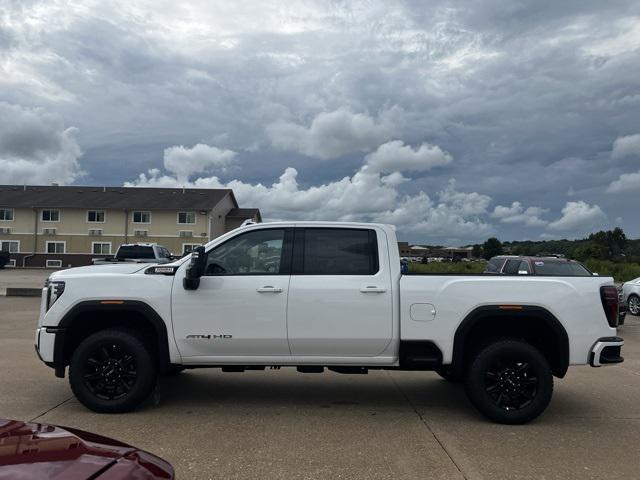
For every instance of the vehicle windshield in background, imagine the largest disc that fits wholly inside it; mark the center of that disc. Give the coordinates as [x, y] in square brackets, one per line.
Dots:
[560, 268]
[135, 251]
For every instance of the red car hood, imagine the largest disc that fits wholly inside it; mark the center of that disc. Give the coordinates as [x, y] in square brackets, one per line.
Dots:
[35, 450]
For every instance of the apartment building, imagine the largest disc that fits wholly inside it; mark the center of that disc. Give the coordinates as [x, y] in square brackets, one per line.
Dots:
[60, 226]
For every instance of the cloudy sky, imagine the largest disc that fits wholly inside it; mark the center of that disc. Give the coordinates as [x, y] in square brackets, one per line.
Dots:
[452, 120]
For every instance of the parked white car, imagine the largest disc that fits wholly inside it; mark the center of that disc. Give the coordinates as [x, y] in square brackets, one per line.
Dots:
[316, 295]
[631, 294]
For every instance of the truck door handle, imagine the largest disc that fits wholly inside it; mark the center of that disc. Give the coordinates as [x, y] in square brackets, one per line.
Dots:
[373, 289]
[269, 289]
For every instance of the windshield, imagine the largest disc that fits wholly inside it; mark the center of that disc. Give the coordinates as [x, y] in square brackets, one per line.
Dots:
[560, 268]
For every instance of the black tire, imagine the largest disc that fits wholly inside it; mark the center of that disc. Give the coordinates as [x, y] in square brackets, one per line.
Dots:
[509, 382]
[447, 374]
[634, 310]
[112, 371]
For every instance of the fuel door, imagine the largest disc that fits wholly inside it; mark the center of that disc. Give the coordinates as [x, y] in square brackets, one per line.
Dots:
[422, 312]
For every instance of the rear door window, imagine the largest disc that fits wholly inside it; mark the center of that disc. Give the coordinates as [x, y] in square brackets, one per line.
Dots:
[512, 266]
[336, 251]
[560, 268]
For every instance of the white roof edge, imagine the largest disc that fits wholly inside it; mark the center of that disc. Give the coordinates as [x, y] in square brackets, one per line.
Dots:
[320, 222]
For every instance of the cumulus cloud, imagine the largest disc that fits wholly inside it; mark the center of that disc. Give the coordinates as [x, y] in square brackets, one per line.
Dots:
[364, 196]
[626, 146]
[330, 135]
[201, 158]
[36, 147]
[464, 203]
[516, 213]
[396, 156]
[281, 81]
[579, 217]
[627, 182]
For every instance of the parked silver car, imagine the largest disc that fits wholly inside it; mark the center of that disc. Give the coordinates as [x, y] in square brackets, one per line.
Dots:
[631, 295]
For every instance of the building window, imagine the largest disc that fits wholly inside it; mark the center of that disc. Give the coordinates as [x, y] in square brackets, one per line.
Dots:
[11, 246]
[141, 217]
[56, 247]
[101, 248]
[187, 218]
[53, 264]
[189, 247]
[50, 215]
[95, 216]
[6, 214]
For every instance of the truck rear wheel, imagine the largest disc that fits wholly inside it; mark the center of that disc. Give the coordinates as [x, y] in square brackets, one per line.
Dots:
[112, 371]
[509, 382]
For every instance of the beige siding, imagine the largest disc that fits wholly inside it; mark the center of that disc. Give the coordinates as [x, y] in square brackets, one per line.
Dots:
[218, 215]
[26, 241]
[22, 221]
[166, 223]
[73, 227]
[74, 222]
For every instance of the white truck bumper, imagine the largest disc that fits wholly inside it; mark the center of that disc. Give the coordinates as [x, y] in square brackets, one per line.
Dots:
[45, 341]
[606, 351]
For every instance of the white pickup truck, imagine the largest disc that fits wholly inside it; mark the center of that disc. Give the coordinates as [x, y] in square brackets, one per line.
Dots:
[321, 295]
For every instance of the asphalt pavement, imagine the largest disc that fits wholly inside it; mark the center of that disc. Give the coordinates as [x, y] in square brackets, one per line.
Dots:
[280, 424]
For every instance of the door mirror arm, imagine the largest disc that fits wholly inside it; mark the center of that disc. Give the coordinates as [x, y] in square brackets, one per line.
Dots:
[196, 269]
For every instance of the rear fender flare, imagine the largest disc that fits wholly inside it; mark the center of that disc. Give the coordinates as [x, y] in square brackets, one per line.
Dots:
[488, 312]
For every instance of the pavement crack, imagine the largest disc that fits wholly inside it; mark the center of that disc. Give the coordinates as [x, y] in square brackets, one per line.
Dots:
[51, 409]
[426, 424]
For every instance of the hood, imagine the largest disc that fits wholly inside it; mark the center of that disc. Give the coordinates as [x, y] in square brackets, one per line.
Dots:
[35, 450]
[116, 268]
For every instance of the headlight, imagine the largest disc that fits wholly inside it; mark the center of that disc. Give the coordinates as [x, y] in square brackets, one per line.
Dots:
[54, 292]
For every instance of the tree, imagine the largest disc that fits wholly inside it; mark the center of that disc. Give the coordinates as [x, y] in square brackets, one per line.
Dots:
[612, 241]
[491, 248]
[476, 252]
[590, 250]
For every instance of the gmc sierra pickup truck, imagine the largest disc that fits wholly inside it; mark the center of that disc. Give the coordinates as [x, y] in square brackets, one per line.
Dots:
[316, 295]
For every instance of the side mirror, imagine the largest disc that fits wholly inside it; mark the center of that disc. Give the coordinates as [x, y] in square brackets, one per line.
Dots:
[195, 269]
[595, 274]
[523, 272]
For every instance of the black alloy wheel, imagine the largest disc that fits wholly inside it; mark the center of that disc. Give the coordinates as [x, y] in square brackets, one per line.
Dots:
[634, 305]
[509, 381]
[112, 371]
[511, 384]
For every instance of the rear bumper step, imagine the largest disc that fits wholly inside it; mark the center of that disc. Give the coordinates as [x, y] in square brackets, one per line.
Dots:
[606, 351]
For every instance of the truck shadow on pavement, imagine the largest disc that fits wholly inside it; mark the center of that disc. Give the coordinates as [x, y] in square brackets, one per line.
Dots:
[263, 388]
[381, 392]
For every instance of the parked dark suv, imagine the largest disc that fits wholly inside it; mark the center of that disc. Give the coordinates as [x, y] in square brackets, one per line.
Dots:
[525, 265]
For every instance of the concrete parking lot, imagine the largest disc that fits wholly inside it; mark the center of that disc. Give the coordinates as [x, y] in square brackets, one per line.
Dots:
[385, 425]
[22, 278]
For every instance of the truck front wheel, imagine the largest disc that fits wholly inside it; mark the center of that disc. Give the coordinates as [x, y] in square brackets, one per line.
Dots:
[509, 382]
[112, 371]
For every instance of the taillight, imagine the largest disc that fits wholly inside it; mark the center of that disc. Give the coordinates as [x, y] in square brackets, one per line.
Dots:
[609, 297]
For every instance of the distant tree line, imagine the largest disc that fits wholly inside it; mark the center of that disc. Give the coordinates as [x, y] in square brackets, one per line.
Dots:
[612, 245]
